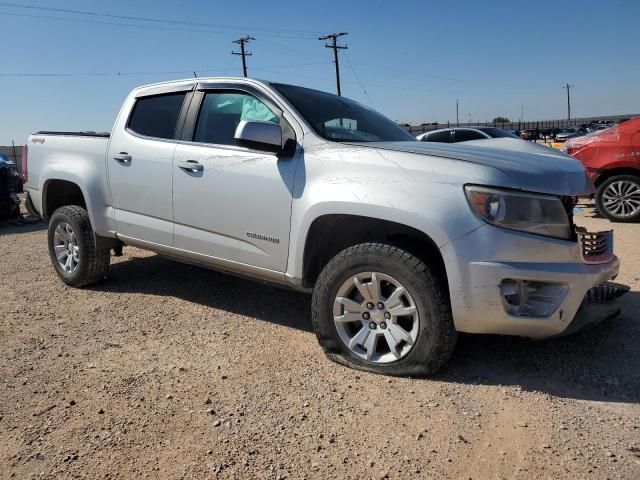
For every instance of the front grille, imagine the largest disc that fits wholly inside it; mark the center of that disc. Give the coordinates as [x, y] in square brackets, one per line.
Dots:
[596, 247]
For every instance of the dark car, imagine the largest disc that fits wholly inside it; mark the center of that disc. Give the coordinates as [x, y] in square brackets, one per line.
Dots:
[16, 183]
[530, 134]
[9, 201]
[550, 132]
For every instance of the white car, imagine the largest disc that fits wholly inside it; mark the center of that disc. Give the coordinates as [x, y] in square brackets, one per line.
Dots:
[464, 134]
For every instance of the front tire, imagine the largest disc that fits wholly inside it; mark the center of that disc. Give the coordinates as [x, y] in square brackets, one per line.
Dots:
[618, 198]
[72, 248]
[378, 308]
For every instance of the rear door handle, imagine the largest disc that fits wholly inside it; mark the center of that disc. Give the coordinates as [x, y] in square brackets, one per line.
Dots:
[122, 157]
[190, 165]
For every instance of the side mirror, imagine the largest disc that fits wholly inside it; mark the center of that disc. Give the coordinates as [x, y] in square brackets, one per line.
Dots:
[259, 135]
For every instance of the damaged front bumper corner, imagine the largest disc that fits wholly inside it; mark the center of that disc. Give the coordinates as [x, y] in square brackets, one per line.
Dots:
[599, 304]
[511, 283]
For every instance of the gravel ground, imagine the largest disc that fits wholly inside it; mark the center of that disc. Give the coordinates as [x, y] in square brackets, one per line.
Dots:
[171, 371]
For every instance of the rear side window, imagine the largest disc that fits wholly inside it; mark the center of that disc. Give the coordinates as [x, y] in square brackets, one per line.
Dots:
[442, 137]
[157, 116]
[465, 135]
[498, 133]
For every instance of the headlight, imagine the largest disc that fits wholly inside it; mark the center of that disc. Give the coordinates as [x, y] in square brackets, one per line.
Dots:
[526, 212]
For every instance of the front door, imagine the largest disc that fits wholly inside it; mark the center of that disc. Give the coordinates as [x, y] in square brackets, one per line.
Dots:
[235, 203]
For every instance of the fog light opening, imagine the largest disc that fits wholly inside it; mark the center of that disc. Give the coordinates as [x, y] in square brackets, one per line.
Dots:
[526, 298]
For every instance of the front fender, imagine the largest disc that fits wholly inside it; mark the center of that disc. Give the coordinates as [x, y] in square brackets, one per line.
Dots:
[442, 214]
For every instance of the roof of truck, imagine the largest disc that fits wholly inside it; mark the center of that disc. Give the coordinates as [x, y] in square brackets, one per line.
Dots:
[202, 79]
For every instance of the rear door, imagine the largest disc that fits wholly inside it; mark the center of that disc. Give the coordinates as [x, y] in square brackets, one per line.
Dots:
[235, 204]
[139, 163]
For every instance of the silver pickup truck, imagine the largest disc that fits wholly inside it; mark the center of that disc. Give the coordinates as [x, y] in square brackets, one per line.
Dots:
[402, 243]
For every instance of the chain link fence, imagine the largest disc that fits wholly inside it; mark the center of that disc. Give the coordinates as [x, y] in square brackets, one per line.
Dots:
[520, 125]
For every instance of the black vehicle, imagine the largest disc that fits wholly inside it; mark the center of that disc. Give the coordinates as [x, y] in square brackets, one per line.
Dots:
[9, 184]
[550, 132]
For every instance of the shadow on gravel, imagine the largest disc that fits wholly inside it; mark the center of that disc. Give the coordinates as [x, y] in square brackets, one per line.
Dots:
[13, 227]
[602, 364]
[156, 275]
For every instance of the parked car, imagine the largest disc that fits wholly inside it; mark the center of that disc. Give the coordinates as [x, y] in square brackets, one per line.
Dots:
[463, 134]
[530, 134]
[571, 132]
[612, 160]
[403, 244]
[9, 201]
[487, 137]
[14, 176]
[550, 132]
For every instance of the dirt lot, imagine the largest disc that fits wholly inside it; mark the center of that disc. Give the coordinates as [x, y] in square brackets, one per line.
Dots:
[171, 371]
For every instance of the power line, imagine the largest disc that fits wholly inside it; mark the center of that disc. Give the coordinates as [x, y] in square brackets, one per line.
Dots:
[242, 41]
[268, 31]
[358, 79]
[334, 45]
[122, 74]
[118, 24]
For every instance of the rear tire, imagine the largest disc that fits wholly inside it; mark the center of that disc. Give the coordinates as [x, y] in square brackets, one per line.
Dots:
[72, 248]
[423, 350]
[618, 198]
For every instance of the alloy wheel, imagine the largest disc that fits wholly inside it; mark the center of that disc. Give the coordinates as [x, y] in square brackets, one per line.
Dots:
[65, 245]
[376, 317]
[622, 198]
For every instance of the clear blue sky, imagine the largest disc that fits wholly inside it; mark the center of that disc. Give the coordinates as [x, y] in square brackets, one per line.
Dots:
[414, 58]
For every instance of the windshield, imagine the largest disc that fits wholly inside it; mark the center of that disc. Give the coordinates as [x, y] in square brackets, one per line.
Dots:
[497, 132]
[341, 120]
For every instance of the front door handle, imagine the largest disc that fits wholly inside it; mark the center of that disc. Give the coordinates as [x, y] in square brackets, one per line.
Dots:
[190, 165]
[122, 157]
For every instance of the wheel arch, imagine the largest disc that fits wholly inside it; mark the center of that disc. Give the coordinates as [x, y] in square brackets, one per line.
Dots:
[613, 172]
[331, 233]
[58, 192]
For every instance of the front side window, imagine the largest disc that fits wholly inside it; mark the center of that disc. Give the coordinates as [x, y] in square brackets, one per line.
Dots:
[341, 120]
[221, 112]
[156, 116]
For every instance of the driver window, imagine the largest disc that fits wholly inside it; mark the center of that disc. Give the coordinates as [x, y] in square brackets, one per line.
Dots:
[221, 112]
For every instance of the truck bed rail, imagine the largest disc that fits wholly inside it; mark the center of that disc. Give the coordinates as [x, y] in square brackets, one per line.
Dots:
[75, 134]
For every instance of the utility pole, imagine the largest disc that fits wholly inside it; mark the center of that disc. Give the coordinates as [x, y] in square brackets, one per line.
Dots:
[334, 44]
[457, 113]
[241, 42]
[568, 87]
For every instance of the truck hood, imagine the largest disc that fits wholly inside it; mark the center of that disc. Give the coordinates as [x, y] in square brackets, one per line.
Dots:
[544, 170]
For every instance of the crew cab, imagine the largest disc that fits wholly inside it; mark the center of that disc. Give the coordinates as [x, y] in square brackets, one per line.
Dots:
[402, 244]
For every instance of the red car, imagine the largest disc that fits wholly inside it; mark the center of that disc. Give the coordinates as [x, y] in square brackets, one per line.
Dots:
[612, 160]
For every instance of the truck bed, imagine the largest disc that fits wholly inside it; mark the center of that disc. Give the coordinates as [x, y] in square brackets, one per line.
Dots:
[76, 157]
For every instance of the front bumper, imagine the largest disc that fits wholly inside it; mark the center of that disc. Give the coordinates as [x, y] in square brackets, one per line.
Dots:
[483, 265]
